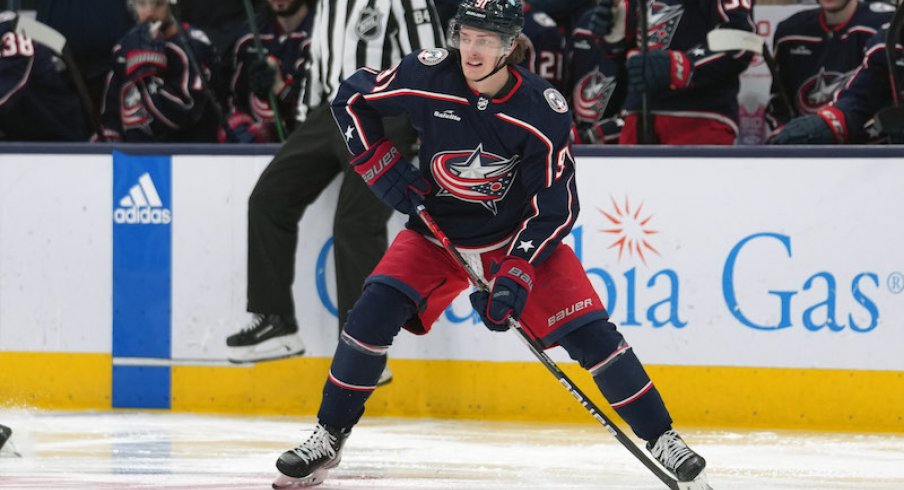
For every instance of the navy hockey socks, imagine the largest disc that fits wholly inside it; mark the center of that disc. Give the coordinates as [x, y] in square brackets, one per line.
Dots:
[601, 349]
[361, 354]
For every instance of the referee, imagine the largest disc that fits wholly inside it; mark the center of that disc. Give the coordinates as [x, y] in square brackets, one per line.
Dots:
[347, 34]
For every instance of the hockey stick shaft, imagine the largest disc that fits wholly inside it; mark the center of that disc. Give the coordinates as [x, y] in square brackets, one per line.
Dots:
[538, 351]
[645, 135]
[259, 46]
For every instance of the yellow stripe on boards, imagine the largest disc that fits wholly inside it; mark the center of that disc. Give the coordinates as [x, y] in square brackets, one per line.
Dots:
[739, 397]
[730, 397]
[55, 380]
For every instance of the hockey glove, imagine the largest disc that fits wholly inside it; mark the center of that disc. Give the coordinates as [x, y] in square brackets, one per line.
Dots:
[658, 70]
[598, 19]
[261, 78]
[512, 281]
[145, 53]
[824, 128]
[243, 129]
[391, 176]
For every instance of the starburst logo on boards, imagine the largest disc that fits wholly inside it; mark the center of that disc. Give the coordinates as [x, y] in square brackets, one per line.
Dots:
[630, 229]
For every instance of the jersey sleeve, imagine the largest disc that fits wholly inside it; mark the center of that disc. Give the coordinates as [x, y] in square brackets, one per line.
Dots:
[17, 57]
[714, 67]
[548, 176]
[366, 97]
[777, 113]
[868, 90]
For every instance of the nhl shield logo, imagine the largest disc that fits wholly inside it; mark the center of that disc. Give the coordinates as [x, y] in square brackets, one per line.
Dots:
[432, 56]
[556, 100]
[370, 24]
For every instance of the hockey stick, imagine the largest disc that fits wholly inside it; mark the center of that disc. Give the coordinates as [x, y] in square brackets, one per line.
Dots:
[57, 44]
[538, 351]
[645, 135]
[738, 40]
[259, 46]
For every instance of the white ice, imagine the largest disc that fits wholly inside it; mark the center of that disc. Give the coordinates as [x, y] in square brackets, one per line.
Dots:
[162, 450]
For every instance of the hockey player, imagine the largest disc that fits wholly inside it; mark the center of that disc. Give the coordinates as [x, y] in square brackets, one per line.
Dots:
[850, 118]
[597, 91]
[153, 93]
[692, 91]
[35, 102]
[544, 47]
[817, 51]
[496, 172]
[285, 29]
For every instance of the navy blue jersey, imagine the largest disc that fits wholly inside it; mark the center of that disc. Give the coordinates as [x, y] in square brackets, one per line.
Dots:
[170, 106]
[682, 25]
[290, 50]
[869, 89]
[815, 61]
[35, 102]
[501, 168]
[545, 47]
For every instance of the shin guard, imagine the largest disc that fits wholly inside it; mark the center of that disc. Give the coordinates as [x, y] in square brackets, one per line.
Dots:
[361, 354]
[621, 378]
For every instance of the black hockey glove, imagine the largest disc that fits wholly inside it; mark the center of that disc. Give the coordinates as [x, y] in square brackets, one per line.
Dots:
[512, 281]
[145, 53]
[825, 128]
[261, 78]
[665, 70]
[392, 177]
[598, 19]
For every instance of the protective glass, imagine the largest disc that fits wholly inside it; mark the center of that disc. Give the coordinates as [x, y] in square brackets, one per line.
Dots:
[476, 39]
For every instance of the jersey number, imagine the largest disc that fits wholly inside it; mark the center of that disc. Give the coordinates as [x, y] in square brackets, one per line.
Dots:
[12, 44]
[549, 65]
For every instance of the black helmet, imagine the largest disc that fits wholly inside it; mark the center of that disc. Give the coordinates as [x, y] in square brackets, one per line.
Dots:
[505, 17]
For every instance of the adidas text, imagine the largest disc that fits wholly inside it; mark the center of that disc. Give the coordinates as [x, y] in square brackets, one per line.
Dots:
[142, 216]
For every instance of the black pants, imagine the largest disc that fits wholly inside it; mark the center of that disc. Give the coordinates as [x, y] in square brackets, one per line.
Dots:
[311, 157]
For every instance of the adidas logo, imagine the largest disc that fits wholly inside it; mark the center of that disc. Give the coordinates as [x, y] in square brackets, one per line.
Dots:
[142, 206]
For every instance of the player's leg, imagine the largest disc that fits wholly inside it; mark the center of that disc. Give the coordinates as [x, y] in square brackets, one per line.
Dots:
[599, 348]
[304, 166]
[359, 227]
[398, 293]
[359, 359]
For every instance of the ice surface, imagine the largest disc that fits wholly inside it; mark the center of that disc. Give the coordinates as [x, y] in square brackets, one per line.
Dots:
[161, 450]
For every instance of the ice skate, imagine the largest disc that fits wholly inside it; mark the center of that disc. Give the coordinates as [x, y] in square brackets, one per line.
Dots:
[5, 432]
[673, 454]
[6, 446]
[385, 377]
[268, 337]
[308, 464]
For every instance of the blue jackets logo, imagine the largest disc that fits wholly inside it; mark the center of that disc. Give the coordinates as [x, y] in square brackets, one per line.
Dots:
[142, 205]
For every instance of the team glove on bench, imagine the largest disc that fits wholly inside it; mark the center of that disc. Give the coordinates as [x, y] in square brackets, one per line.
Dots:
[511, 282]
[826, 127]
[665, 70]
[391, 176]
[598, 19]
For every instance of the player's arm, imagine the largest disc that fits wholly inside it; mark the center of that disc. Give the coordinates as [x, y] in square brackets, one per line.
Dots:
[715, 67]
[361, 102]
[175, 96]
[547, 173]
[110, 119]
[867, 91]
[17, 58]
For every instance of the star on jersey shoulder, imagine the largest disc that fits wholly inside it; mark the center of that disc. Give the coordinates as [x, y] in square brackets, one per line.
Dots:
[525, 245]
[348, 133]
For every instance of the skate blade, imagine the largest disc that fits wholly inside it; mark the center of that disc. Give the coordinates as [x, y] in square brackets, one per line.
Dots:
[316, 478]
[699, 483]
[267, 351]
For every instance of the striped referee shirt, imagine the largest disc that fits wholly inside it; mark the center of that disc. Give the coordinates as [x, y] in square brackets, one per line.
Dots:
[349, 34]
